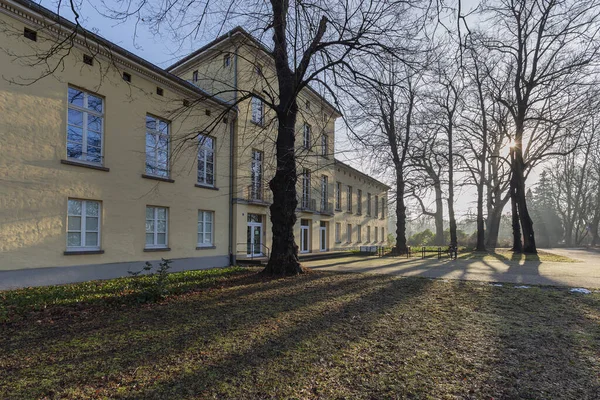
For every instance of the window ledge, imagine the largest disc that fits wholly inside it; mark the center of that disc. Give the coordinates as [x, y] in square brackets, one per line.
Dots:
[153, 249]
[157, 178]
[199, 185]
[82, 252]
[205, 247]
[84, 165]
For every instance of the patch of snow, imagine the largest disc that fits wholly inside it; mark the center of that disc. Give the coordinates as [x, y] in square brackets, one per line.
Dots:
[580, 290]
[497, 284]
[522, 287]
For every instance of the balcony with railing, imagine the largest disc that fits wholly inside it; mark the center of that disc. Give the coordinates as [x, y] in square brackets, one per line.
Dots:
[326, 208]
[308, 205]
[258, 194]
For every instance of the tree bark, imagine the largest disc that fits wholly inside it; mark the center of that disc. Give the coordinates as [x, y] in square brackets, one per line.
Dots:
[516, 228]
[439, 214]
[284, 254]
[401, 246]
[451, 216]
[529, 246]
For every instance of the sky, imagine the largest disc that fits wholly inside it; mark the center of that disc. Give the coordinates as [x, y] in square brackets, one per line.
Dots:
[162, 50]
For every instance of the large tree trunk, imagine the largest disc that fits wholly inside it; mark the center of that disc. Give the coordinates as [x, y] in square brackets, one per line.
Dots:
[400, 214]
[493, 228]
[284, 255]
[596, 221]
[439, 215]
[453, 238]
[529, 246]
[480, 221]
[516, 228]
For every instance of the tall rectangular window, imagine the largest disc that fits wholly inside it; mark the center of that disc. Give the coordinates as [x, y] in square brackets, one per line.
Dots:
[383, 234]
[368, 234]
[359, 201]
[256, 175]
[376, 206]
[258, 111]
[349, 199]
[338, 195]
[195, 76]
[83, 225]
[338, 232]
[359, 233]
[157, 146]
[85, 126]
[305, 188]
[324, 194]
[382, 208]
[206, 160]
[205, 228]
[156, 226]
[376, 230]
[349, 233]
[306, 131]
[369, 204]
[324, 145]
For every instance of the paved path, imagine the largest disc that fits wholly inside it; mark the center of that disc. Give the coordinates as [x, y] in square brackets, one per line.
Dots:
[582, 274]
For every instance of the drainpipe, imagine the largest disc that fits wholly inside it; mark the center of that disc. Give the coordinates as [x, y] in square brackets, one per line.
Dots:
[232, 249]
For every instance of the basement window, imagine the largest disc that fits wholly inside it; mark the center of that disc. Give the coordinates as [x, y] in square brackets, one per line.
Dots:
[30, 34]
[126, 77]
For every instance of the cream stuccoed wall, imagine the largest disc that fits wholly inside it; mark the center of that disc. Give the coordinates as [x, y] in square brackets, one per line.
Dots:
[243, 72]
[35, 185]
[348, 176]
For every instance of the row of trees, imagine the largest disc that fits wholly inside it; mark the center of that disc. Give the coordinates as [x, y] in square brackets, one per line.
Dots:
[516, 89]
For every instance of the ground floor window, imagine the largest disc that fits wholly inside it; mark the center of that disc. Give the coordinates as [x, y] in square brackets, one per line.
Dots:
[83, 225]
[205, 228]
[338, 232]
[376, 230]
[349, 233]
[156, 226]
[359, 233]
[368, 234]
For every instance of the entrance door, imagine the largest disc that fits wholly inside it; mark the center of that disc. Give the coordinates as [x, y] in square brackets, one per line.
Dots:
[304, 236]
[323, 236]
[254, 235]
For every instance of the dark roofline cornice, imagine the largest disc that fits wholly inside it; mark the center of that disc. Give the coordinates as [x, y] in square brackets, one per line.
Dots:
[227, 36]
[113, 48]
[370, 178]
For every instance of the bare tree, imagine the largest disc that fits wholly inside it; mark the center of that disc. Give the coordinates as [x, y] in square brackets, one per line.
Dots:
[549, 49]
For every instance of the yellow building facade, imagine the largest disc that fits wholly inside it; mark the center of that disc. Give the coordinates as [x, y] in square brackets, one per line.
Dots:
[109, 161]
[237, 66]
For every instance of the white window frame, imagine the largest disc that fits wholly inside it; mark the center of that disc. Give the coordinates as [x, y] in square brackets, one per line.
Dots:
[206, 150]
[158, 135]
[324, 190]
[305, 188]
[155, 244]
[84, 128]
[306, 133]
[257, 108]
[83, 231]
[349, 199]
[202, 228]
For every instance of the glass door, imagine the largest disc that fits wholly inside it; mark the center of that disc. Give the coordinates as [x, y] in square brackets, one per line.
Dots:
[323, 236]
[304, 236]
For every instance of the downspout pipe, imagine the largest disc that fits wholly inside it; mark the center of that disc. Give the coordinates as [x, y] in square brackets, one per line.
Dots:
[232, 250]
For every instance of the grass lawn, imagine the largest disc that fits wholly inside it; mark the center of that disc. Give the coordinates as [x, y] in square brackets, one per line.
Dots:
[508, 255]
[231, 334]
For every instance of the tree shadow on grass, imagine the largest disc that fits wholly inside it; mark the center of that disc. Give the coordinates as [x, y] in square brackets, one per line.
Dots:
[115, 344]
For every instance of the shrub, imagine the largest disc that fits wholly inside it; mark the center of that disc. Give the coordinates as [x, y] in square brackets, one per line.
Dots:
[151, 286]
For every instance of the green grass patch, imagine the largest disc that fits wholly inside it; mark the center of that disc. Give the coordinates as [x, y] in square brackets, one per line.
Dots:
[16, 304]
[233, 334]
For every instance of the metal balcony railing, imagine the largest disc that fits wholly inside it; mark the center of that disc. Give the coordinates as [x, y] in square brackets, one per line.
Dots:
[308, 204]
[326, 208]
[258, 194]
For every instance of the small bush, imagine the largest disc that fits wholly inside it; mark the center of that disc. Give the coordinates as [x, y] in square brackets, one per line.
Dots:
[154, 286]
